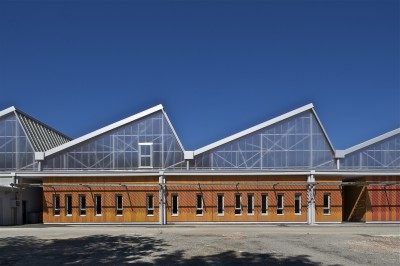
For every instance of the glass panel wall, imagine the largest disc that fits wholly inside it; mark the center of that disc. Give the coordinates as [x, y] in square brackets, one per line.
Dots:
[382, 155]
[297, 142]
[119, 148]
[16, 152]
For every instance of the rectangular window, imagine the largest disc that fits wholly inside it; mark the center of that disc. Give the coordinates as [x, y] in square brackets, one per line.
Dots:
[199, 204]
[238, 204]
[279, 207]
[150, 205]
[264, 204]
[82, 205]
[97, 205]
[146, 155]
[220, 204]
[118, 204]
[327, 203]
[175, 204]
[68, 205]
[250, 204]
[56, 205]
[297, 204]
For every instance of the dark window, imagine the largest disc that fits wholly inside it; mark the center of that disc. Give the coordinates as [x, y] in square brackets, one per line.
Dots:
[250, 204]
[199, 204]
[264, 203]
[68, 204]
[238, 204]
[56, 204]
[119, 207]
[175, 204]
[279, 209]
[327, 203]
[150, 205]
[297, 204]
[82, 205]
[97, 204]
[220, 204]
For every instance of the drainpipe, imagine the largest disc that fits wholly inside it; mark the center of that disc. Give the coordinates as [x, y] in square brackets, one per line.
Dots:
[161, 206]
[311, 198]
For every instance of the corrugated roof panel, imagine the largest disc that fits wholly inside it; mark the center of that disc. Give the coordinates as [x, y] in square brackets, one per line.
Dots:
[43, 138]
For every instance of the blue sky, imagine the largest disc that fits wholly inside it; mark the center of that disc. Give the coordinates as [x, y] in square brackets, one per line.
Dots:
[218, 67]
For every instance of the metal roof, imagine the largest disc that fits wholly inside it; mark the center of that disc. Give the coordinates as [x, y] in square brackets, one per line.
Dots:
[369, 142]
[250, 130]
[41, 136]
[111, 127]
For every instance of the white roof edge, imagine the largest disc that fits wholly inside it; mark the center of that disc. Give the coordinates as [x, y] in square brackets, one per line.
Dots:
[323, 129]
[104, 130]
[254, 128]
[7, 111]
[372, 141]
[173, 130]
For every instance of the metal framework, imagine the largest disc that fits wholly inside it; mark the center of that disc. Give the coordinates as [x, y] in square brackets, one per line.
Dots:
[118, 149]
[384, 154]
[298, 142]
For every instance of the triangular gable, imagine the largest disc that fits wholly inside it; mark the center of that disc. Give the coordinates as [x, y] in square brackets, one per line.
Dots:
[382, 152]
[295, 140]
[121, 146]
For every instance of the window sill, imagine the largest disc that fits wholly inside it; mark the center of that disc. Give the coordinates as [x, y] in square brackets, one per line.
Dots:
[220, 214]
[250, 214]
[327, 214]
[280, 214]
[174, 215]
[98, 215]
[68, 215]
[199, 215]
[264, 214]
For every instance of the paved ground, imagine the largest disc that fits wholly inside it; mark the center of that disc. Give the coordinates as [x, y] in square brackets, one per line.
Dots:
[346, 244]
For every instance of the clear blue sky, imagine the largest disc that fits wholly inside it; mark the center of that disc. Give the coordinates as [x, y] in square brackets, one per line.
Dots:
[218, 67]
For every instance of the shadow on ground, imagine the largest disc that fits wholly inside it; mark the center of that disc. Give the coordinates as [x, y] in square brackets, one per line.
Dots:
[124, 249]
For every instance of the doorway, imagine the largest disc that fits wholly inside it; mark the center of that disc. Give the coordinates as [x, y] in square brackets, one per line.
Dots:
[354, 203]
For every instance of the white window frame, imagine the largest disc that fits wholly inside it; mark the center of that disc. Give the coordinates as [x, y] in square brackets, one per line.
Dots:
[68, 196]
[239, 209]
[55, 209]
[81, 208]
[252, 203]
[172, 204]
[145, 156]
[222, 204]
[329, 203]
[116, 205]
[297, 195]
[264, 195]
[96, 204]
[147, 204]
[283, 204]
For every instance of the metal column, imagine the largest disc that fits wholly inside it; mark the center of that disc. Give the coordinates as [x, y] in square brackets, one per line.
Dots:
[162, 205]
[311, 199]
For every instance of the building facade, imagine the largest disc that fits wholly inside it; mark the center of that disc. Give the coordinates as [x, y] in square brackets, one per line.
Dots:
[136, 170]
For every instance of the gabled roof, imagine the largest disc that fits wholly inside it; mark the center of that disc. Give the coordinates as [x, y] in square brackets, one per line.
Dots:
[308, 107]
[41, 136]
[111, 127]
[370, 142]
